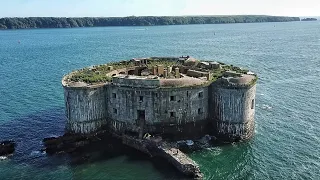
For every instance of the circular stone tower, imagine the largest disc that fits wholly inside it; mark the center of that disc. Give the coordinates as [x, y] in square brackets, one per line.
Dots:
[233, 103]
[85, 107]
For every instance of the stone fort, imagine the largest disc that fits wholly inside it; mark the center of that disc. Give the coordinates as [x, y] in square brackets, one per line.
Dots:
[173, 97]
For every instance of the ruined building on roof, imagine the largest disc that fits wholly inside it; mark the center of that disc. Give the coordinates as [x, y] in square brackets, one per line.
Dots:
[174, 97]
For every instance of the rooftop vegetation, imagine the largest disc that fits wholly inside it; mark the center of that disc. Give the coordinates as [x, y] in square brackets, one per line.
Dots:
[97, 74]
[164, 63]
[253, 81]
[101, 73]
[89, 76]
[217, 73]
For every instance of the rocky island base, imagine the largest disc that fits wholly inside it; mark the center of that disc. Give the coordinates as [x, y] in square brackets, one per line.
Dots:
[74, 144]
[7, 147]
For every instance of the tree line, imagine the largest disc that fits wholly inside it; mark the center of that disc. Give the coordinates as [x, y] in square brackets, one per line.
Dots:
[62, 22]
[309, 19]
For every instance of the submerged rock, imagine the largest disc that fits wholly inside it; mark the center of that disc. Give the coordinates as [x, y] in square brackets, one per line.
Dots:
[69, 143]
[7, 147]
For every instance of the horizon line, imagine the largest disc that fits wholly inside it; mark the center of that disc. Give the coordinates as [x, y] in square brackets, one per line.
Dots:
[151, 16]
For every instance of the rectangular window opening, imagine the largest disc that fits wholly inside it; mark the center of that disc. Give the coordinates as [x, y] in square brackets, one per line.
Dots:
[200, 95]
[114, 95]
[115, 111]
[141, 115]
[200, 111]
[172, 114]
[140, 98]
[252, 104]
[172, 98]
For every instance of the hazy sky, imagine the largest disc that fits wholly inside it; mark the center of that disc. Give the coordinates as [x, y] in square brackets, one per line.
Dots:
[76, 8]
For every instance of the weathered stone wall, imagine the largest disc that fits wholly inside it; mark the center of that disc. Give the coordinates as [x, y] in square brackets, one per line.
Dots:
[233, 111]
[85, 108]
[194, 73]
[162, 106]
[136, 82]
[176, 112]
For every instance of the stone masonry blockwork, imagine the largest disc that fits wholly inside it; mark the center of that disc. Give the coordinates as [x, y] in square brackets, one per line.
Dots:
[165, 110]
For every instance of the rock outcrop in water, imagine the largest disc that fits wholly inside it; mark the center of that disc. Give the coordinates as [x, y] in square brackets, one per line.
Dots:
[7, 148]
[69, 143]
[154, 147]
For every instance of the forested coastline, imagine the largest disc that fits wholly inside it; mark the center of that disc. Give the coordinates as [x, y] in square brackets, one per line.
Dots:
[61, 22]
[309, 19]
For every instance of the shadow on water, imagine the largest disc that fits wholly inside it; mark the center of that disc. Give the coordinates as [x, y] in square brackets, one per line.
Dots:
[28, 132]
[133, 156]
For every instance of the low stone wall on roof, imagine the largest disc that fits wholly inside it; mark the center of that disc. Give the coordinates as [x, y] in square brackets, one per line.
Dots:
[181, 82]
[136, 82]
[194, 73]
[245, 81]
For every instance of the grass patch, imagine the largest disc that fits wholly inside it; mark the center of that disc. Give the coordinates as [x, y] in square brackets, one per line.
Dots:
[98, 74]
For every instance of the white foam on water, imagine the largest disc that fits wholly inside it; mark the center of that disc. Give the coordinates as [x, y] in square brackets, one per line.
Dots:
[53, 135]
[256, 129]
[3, 158]
[37, 153]
[265, 106]
[214, 150]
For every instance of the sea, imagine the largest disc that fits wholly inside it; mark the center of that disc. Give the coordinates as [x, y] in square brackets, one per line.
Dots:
[286, 57]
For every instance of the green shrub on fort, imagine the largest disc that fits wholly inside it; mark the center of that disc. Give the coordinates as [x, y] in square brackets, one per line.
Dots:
[98, 73]
[164, 63]
[253, 81]
[89, 76]
[101, 73]
[218, 73]
[119, 65]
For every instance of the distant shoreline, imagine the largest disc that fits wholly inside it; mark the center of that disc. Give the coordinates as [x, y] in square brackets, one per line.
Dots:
[63, 22]
[309, 19]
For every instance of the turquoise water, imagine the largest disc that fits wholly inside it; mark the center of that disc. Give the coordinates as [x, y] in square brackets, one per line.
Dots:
[286, 56]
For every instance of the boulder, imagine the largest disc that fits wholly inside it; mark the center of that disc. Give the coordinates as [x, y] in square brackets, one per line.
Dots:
[69, 143]
[7, 147]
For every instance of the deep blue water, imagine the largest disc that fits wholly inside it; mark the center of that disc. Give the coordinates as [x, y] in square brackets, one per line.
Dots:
[286, 56]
